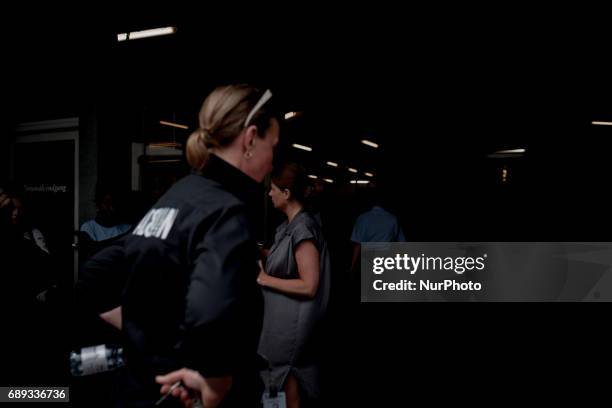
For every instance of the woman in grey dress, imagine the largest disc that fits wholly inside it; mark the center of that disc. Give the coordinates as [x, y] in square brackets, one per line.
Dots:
[295, 283]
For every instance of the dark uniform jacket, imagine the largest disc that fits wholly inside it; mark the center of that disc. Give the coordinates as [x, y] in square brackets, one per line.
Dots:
[186, 280]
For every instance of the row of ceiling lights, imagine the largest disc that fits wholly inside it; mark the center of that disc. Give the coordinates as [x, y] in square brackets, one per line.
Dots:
[291, 115]
[498, 154]
[156, 32]
[134, 35]
[509, 153]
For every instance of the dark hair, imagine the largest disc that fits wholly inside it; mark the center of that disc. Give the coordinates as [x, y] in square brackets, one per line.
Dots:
[222, 118]
[292, 176]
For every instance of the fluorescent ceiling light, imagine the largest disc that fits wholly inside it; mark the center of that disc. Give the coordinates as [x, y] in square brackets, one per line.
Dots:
[369, 143]
[176, 125]
[507, 154]
[512, 151]
[154, 32]
[291, 115]
[332, 164]
[302, 147]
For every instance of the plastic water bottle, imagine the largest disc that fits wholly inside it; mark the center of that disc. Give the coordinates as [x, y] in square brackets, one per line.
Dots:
[96, 359]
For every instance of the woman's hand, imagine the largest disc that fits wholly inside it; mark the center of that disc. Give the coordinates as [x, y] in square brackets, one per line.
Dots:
[307, 260]
[261, 279]
[113, 317]
[210, 390]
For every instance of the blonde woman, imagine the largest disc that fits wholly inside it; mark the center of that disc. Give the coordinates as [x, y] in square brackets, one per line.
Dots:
[191, 300]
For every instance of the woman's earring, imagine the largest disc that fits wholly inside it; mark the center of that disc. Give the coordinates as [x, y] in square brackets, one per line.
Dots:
[248, 154]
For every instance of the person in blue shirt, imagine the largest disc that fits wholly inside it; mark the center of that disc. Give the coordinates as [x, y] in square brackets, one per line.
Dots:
[106, 225]
[375, 225]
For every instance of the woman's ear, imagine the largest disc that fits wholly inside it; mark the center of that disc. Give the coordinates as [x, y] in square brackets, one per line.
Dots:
[248, 140]
[287, 193]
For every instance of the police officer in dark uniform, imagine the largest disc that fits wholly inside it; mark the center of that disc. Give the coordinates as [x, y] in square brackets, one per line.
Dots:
[191, 299]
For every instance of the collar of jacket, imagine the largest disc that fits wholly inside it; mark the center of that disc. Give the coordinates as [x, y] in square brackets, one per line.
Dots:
[233, 180]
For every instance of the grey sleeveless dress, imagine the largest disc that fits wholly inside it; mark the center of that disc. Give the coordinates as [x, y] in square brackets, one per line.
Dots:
[289, 335]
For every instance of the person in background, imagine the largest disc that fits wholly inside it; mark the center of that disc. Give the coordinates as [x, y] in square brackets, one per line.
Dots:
[22, 221]
[106, 224]
[296, 283]
[29, 291]
[31, 245]
[375, 225]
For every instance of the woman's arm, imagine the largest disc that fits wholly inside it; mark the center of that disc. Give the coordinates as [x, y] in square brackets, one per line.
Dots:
[307, 260]
[102, 279]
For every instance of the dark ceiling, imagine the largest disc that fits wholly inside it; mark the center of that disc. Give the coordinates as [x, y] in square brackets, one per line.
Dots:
[437, 89]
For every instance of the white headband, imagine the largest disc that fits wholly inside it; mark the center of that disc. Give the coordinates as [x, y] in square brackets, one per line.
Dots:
[264, 98]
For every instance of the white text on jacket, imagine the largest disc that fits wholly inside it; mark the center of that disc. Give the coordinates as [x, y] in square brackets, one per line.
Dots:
[157, 223]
